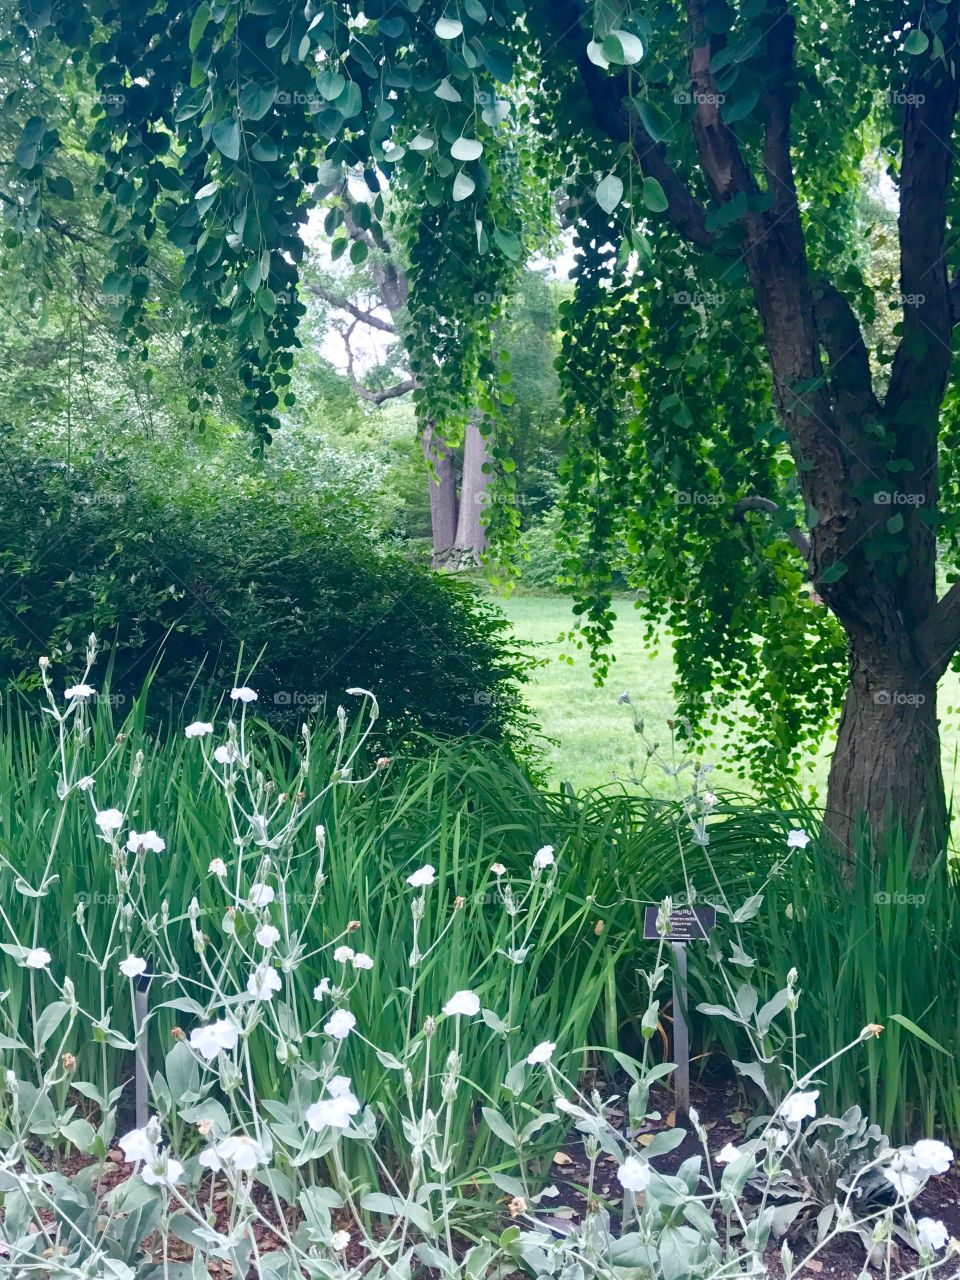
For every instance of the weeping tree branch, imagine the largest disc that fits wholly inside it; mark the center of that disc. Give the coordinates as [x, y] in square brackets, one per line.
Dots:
[793, 532]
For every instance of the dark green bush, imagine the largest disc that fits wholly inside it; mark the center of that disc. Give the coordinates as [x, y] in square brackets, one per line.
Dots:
[200, 579]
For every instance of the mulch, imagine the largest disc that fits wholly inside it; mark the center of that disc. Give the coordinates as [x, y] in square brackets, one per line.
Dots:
[723, 1113]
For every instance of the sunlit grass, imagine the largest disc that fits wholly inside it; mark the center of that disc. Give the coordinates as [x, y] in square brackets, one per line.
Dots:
[595, 738]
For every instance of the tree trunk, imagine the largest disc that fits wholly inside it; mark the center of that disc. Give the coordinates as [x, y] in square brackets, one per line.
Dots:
[442, 487]
[471, 535]
[886, 773]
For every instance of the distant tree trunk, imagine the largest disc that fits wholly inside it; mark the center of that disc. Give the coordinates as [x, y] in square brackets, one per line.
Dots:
[471, 540]
[442, 488]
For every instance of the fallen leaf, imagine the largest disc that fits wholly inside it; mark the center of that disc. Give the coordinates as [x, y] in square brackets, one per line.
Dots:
[562, 1158]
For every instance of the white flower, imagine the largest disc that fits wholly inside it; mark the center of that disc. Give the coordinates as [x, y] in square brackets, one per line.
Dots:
[633, 1174]
[929, 1156]
[708, 800]
[240, 1152]
[217, 867]
[339, 1241]
[267, 935]
[261, 895]
[85, 784]
[362, 961]
[37, 958]
[344, 955]
[227, 753]
[79, 691]
[799, 1106]
[543, 1052]
[340, 1025]
[420, 879]
[263, 982]
[133, 967]
[335, 1111]
[932, 1234]
[463, 1003]
[138, 841]
[498, 869]
[321, 989]
[543, 858]
[907, 1182]
[214, 1038]
[797, 839]
[162, 1171]
[140, 1144]
[240, 693]
[199, 729]
[728, 1154]
[109, 819]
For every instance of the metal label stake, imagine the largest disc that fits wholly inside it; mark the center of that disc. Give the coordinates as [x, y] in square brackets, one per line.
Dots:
[141, 1035]
[687, 924]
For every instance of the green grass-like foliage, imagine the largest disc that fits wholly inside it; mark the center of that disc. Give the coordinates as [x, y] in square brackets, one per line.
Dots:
[881, 947]
[459, 806]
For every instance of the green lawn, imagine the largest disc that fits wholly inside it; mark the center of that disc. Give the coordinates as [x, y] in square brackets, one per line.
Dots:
[594, 736]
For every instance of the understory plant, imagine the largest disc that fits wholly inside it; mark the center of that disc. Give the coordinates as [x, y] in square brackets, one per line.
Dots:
[224, 1166]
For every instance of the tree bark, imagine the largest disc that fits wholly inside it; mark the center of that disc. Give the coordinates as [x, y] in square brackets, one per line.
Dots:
[442, 488]
[886, 779]
[471, 541]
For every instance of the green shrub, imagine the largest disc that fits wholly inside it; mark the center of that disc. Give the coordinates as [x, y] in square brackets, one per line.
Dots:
[201, 579]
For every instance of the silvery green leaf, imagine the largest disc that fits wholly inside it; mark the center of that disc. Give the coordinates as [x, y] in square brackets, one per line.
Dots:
[463, 186]
[447, 92]
[499, 1125]
[595, 54]
[422, 142]
[466, 149]
[448, 28]
[609, 192]
[749, 909]
[739, 957]
[769, 1011]
[747, 999]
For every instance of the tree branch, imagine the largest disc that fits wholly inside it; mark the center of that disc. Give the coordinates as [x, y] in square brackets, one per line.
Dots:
[849, 375]
[922, 359]
[351, 308]
[938, 636]
[793, 532]
[366, 393]
[720, 154]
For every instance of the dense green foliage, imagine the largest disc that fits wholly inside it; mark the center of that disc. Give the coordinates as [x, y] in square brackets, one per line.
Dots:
[692, 185]
[229, 575]
[463, 807]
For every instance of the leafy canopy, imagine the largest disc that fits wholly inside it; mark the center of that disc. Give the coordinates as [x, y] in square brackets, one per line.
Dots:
[221, 124]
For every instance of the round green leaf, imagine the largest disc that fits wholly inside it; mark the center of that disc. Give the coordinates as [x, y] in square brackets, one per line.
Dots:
[448, 28]
[463, 186]
[654, 196]
[467, 149]
[609, 192]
